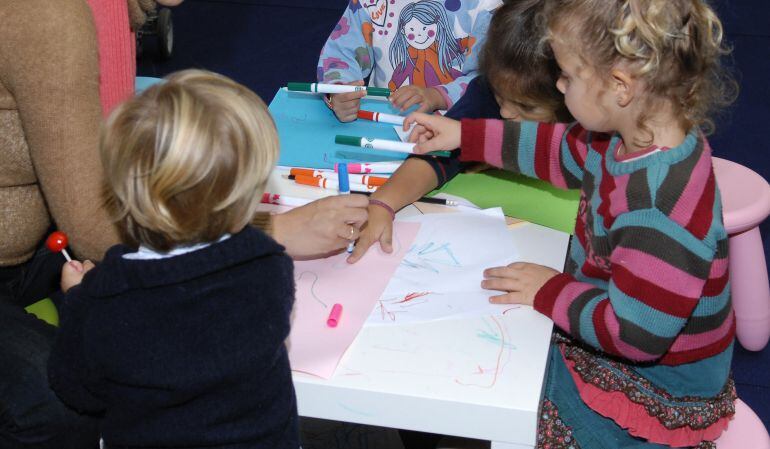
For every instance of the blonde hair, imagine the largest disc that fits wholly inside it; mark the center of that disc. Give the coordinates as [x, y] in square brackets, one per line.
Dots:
[674, 46]
[187, 160]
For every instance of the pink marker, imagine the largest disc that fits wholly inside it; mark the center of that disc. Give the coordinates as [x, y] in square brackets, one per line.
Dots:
[283, 200]
[372, 167]
[334, 315]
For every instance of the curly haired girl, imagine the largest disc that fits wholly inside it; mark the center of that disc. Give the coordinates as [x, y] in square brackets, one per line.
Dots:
[645, 324]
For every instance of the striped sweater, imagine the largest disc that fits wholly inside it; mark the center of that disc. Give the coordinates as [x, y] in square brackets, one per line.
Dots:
[647, 278]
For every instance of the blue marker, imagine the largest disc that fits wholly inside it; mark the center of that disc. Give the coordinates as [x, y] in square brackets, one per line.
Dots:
[344, 186]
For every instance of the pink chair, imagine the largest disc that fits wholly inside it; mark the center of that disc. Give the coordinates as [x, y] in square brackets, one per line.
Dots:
[745, 431]
[746, 203]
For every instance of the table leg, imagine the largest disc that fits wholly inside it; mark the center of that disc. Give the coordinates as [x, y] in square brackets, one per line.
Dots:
[750, 289]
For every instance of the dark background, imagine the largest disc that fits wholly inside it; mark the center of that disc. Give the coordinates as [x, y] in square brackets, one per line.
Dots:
[264, 44]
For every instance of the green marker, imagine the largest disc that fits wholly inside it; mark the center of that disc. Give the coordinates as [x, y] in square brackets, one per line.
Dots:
[337, 89]
[382, 144]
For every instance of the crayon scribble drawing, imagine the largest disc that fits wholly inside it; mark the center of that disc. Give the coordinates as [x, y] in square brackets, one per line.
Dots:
[390, 307]
[311, 288]
[486, 373]
[431, 256]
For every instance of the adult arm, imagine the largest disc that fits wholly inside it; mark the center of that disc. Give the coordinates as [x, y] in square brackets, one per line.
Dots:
[321, 227]
[54, 79]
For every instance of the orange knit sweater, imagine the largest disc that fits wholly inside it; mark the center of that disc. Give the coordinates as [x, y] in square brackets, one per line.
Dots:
[49, 120]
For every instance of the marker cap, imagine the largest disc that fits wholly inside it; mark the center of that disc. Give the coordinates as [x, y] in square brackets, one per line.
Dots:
[347, 140]
[299, 87]
[378, 91]
[366, 115]
[334, 315]
[344, 181]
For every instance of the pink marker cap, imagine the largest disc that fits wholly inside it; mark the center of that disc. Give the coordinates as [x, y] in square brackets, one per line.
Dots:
[334, 315]
[352, 168]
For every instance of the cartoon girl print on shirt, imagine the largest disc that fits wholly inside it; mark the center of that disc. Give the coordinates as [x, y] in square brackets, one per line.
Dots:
[424, 49]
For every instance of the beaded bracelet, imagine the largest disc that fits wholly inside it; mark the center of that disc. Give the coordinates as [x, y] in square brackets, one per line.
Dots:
[384, 206]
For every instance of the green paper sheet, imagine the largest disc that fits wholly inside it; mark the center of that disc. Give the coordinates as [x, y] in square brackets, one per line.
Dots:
[526, 198]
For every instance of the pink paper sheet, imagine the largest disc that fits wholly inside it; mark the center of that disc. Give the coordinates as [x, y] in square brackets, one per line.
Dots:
[315, 348]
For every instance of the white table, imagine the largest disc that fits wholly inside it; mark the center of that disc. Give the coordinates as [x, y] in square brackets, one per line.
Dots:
[478, 378]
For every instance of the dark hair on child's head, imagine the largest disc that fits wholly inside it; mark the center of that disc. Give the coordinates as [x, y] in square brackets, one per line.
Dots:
[674, 46]
[186, 161]
[518, 62]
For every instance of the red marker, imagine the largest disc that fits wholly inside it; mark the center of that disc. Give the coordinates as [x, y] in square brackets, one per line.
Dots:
[381, 117]
[57, 242]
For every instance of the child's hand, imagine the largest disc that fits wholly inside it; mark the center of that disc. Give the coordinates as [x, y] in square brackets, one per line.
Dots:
[521, 280]
[379, 227]
[429, 98]
[346, 106]
[432, 132]
[72, 273]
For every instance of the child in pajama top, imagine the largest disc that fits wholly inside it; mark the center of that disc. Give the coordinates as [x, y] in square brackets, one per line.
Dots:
[425, 51]
[645, 323]
[517, 82]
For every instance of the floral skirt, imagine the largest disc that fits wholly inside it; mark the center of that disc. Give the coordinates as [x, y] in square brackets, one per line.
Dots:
[566, 422]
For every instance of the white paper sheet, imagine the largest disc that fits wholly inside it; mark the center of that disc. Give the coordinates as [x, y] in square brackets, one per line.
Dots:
[440, 276]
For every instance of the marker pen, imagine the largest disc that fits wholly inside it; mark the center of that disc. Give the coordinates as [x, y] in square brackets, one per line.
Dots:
[367, 180]
[382, 144]
[373, 167]
[337, 89]
[331, 184]
[283, 200]
[344, 185]
[381, 117]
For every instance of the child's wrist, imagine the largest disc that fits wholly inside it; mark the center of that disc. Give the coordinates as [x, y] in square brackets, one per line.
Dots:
[384, 206]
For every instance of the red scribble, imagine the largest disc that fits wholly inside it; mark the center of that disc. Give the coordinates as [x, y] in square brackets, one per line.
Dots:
[511, 308]
[385, 311]
[498, 364]
[412, 296]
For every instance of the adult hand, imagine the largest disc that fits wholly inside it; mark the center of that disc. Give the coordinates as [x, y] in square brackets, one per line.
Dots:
[429, 98]
[379, 227]
[346, 106]
[521, 281]
[72, 273]
[432, 132]
[321, 227]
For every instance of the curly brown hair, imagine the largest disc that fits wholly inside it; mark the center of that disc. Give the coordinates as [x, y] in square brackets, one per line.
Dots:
[674, 46]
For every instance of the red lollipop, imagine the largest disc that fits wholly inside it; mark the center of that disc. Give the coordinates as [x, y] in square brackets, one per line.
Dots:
[57, 242]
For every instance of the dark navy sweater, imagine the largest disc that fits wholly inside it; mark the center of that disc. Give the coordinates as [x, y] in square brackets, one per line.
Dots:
[187, 351]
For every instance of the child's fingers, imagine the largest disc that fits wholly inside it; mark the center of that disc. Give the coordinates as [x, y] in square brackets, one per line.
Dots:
[502, 272]
[418, 133]
[386, 239]
[501, 284]
[508, 298]
[425, 106]
[413, 100]
[424, 137]
[73, 266]
[418, 118]
[434, 143]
